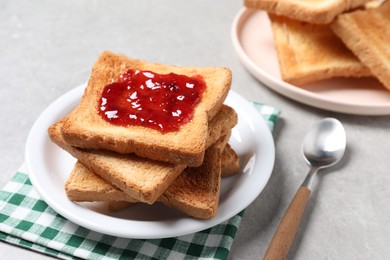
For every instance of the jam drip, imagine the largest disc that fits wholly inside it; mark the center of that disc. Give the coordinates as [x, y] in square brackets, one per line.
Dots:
[145, 98]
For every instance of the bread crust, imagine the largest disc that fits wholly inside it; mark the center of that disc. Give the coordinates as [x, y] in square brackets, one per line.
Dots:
[195, 192]
[141, 178]
[84, 185]
[81, 184]
[84, 128]
[316, 12]
[311, 52]
[366, 33]
[230, 162]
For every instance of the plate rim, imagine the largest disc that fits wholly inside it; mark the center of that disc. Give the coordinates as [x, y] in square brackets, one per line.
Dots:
[76, 93]
[288, 90]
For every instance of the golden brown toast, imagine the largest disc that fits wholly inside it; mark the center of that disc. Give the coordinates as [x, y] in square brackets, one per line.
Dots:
[194, 192]
[90, 187]
[118, 205]
[311, 52]
[141, 178]
[85, 128]
[230, 162]
[367, 34]
[312, 11]
[84, 185]
[374, 4]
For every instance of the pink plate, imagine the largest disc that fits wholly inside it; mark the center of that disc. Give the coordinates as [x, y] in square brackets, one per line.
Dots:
[253, 42]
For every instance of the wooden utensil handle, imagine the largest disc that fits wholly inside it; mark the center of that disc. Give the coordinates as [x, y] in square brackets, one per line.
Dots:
[288, 226]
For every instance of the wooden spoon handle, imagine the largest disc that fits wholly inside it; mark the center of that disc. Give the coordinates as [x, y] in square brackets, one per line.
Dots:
[288, 226]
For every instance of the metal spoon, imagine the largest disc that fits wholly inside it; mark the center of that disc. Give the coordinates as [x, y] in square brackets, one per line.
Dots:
[323, 146]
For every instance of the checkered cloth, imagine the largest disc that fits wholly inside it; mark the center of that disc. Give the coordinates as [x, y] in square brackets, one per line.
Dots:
[27, 221]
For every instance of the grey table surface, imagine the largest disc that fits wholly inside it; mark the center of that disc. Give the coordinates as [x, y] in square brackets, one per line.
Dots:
[48, 47]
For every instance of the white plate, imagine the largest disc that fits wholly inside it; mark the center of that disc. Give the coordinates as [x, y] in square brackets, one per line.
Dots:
[253, 42]
[49, 167]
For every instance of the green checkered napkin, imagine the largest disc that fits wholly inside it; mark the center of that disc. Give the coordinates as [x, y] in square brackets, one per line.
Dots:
[27, 221]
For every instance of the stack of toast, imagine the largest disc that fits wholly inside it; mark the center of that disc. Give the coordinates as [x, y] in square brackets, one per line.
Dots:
[317, 40]
[122, 165]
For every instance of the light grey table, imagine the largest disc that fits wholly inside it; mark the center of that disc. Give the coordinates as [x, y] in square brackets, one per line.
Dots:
[48, 47]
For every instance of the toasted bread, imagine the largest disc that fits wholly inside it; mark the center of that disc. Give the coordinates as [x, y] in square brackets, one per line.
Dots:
[230, 162]
[315, 12]
[85, 128]
[308, 52]
[230, 166]
[195, 192]
[366, 33]
[90, 187]
[84, 185]
[374, 4]
[141, 178]
[118, 205]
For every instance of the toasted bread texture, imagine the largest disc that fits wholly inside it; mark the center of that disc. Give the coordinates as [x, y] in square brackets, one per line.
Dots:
[366, 33]
[141, 178]
[230, 162]
[308, 52]
[374, 4]
[118, 205]
[85, 128]
[194, 192]
[84, 185]
[81, 183]
[230, 165]
[315, 12]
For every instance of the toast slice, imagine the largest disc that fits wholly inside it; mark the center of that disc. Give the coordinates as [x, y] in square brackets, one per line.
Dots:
[315, 12]
[230, 162]
[194, 192]
[85, 128]
[118, 205]
[374, 4]
[84, 185]
[311, 52]
[141, 178]
[366, 33]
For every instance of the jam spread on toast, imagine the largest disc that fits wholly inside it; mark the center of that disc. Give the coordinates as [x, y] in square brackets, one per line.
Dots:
[160, 101]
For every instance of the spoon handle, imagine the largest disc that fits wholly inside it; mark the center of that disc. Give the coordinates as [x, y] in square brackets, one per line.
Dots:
[288, 226]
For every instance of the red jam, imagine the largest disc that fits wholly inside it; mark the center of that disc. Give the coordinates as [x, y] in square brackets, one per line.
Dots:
[145, 98]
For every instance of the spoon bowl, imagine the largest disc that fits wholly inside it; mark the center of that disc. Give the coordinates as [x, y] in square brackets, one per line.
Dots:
[325, 143]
